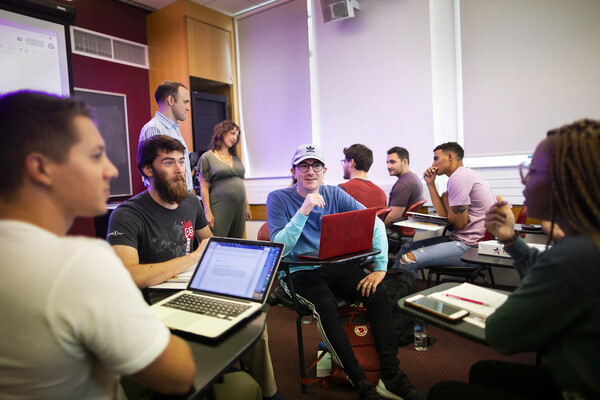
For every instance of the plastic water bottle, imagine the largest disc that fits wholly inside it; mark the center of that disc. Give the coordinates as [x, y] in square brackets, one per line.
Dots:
[420, 335]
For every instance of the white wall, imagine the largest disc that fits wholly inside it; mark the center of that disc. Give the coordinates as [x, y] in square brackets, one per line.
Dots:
[274, 85]
[397, 73]
[374, 87]
[528, 66]
[374, 75]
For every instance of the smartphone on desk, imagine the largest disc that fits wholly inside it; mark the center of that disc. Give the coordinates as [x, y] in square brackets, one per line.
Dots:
[438, 308]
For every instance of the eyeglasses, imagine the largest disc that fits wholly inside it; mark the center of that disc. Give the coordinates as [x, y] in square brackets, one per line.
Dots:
[316, 167]
[344, 161]
[525, 169]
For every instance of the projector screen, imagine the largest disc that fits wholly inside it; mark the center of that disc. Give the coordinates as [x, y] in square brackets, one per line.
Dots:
[33, 54]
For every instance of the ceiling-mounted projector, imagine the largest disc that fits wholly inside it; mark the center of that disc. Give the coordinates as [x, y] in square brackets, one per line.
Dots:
[338, 9]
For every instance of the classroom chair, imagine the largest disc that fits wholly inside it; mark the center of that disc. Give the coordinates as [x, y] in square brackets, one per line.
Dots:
[291, 302]
[382, 213]
[414, 207]
[394, 242]
[469, 273]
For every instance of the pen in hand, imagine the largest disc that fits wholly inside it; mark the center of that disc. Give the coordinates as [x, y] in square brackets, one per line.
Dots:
[481, 303]
[425, 174]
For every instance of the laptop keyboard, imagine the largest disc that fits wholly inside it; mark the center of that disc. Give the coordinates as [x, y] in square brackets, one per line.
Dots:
[207, 306]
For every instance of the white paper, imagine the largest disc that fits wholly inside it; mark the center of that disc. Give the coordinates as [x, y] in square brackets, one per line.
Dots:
[179, 281]
[420, 225]
[491, 299]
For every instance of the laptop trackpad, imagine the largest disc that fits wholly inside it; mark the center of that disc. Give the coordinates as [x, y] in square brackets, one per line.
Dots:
[179, 320]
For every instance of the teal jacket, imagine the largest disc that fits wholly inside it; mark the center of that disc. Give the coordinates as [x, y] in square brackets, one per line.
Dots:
[301, 233]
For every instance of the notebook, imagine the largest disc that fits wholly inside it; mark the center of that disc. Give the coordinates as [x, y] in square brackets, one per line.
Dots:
[231, 283]
[479, 301]
[344, 233]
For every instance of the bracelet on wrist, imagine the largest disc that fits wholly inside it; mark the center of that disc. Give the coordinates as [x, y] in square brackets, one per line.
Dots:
[510, 240]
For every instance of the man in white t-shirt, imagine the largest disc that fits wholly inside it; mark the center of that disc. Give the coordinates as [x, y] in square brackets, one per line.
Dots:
[65, 332]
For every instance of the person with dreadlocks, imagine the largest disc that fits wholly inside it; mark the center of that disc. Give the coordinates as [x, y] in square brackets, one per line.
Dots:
[556, 310]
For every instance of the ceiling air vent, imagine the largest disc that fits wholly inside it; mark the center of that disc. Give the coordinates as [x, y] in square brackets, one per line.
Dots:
[98, 45]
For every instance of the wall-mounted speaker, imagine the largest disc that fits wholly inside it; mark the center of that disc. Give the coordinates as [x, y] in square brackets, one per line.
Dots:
[338, 9]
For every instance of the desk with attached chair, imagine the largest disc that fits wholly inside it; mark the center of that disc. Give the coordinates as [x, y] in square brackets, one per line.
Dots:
[212, 358]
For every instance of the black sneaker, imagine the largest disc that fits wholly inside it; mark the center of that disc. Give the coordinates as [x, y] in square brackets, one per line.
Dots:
[398, 388]
[366, 390]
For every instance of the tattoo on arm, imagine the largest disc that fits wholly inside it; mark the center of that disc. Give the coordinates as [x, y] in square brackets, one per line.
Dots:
[459, 209]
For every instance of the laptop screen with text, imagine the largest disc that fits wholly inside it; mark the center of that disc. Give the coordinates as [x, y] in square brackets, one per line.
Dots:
[236, 268]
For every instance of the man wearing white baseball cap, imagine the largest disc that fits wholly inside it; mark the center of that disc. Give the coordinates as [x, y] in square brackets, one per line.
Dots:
[294, 217]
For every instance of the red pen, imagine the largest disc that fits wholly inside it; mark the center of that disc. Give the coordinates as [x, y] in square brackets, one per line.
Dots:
[481, 303]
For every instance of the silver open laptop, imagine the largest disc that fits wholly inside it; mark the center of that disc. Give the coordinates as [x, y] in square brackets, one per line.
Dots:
[231, 282]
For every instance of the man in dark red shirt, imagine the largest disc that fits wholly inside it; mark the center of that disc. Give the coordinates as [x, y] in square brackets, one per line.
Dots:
[356, 163]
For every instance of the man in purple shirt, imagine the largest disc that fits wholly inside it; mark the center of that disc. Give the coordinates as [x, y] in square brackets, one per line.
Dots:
[408, 188]
[465, 203]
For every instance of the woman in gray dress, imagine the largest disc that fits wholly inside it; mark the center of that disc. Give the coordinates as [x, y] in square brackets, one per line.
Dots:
[221, 179]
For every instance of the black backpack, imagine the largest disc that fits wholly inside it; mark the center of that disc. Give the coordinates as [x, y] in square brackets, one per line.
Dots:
[399, 284]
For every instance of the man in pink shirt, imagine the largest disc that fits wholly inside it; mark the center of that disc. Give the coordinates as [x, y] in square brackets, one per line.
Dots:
[465, 203]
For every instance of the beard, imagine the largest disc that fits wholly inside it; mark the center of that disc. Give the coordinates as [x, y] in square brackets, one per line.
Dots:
[171, 191]
[396, 172]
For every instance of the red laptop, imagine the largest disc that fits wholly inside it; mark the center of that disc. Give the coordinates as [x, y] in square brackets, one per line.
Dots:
[344, 233]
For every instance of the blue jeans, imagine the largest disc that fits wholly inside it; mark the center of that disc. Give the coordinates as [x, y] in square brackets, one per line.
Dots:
[433, 252]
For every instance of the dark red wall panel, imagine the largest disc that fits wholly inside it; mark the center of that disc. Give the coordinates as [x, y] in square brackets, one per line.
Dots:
[117, 19]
